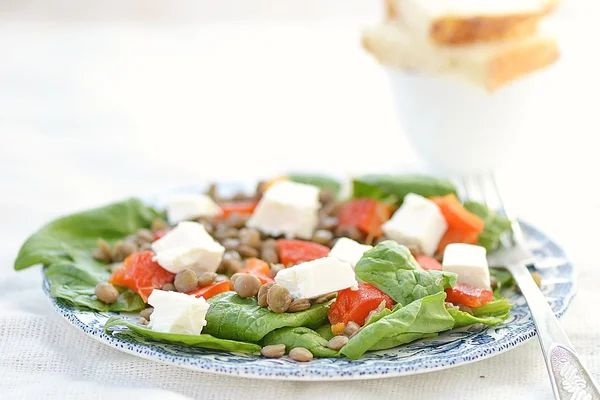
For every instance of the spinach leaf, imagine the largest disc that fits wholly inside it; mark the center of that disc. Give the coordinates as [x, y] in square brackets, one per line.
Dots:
[364, 189]
[64, 247]
[491, 313]
[325, 331]
[321, 181]
[80, 231]
[300, 337]
[376, 185]
[504, 280]
[235, 318]
[391, 268]
[422, 318]
[202, 340]
[495, 224]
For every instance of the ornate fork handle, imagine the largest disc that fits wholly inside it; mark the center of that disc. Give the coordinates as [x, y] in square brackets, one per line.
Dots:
[570, 379]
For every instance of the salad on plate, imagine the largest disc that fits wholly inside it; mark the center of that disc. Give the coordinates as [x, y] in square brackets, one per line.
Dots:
[294, 268]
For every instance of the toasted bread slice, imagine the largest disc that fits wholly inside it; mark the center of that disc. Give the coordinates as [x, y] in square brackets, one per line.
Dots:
[491, 65]
[457, 22]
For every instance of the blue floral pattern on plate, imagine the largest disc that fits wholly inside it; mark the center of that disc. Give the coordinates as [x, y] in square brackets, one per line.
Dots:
[449, 349]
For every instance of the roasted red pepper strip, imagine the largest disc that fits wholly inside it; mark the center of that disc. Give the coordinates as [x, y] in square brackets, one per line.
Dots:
[211, 290]
[258, 268]
[292, 252]
[365, 214]
[142, 275]
[355, 305]
[245, 207]
[469, 295]
[428, 263]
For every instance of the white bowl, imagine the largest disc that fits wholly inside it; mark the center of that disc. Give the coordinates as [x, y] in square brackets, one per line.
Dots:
[458, 127]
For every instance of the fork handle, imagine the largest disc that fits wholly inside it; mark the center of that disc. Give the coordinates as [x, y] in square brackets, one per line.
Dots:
[570, 379]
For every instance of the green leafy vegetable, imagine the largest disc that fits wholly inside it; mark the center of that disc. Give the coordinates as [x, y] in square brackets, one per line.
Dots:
[202, 340]
[422, 318]
[495, 224]
[399, 186]
[391, 268]
[504, 280]
[64, 247]
[321, 181]
[300, 337]
[325, 331]
[491, 313]
[364, 189]
[235, 318]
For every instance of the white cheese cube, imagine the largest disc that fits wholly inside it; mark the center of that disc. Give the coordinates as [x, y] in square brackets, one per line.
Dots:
[418, 221]
[348, 250]
[287, 208]
[318, 277]
[177, 312]
[183, 207]
[188, 246]
[469, 262]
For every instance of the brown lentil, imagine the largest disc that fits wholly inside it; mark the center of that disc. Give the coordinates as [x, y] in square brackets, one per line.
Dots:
[275, 268]
[300, 354]
[326, 196]
[493, 283]
[466, 309]
[351, 328]
[236, 220]
[221, 278]
[327, 222]
[145, 235]
[325, 298]
[104, 247]
[158, 224]
[351, 232]
[299, 305]
[247, 285]
[337, 342]
[206, 278]
[168, 287]
[369, 239]
[232, 254]
[115, 266]
[106, 292]
[247, 251]
[207, 225]
[212, 191]
[231, 243]
[143, 321]
[230, 266]
[128, 248]
[147, 312]
[278, 299]
[273, 350]
[116, 252]
[234, 277]
[101, 256]
[322, 236]
[262, 294]
[269, 254]
[186, 281]
[250, 237]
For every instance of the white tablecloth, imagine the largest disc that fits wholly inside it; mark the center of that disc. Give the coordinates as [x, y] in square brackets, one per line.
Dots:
[91, 113]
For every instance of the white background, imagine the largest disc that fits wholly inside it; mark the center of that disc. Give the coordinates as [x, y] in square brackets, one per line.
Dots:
[99, 101]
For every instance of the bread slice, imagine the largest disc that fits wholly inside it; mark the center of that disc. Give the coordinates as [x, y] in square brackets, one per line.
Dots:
[490, 65]
[456, 22]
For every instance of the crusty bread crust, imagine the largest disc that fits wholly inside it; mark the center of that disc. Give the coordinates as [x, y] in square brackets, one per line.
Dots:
[520, 60]
[456, 30]
[490, 67]
[459, 31]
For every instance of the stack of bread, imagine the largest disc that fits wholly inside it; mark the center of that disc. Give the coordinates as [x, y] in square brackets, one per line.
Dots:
[488, 42]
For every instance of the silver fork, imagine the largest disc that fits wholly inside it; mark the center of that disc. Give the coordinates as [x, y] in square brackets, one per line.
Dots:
[569, 378]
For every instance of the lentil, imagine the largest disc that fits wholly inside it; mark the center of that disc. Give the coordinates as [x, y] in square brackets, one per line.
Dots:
[158, 225]
[299, 305]
[143, 321]
[337, 342]
[351, 328]
[145, 235]
[168, 287]
[250, 237]
[186, 281]
[262, 294]
[206, 278]
[247, 251]
[300, 354]
[322, 236]
[247, 285]
[106, 292]
[147, 312]
[278, 299]
[273, 351]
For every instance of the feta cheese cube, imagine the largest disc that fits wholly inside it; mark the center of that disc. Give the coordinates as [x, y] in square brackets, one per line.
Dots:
[348, 250]
[191, 206]
[188, 246]
[418, 221]
[177, 312]
[469, 263]
[287, 208]
[318, 277]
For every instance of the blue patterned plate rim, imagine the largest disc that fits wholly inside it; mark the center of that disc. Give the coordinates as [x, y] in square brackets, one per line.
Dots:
[450, 349]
